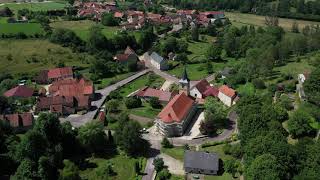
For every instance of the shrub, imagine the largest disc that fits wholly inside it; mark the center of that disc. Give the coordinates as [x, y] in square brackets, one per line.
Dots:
[158, 164]
[259, 84]
[165, 143]
[133, 102]
[155, 103]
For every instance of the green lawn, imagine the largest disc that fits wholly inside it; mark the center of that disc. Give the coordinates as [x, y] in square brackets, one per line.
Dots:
[108, 81]
[225, 176]
[26, 28]
[195, 71]
[31, 56]
[122, 165]
[145, 111]
[175, 152]
[43, 6]
[139, 83]
[198, 49]
[81, 28]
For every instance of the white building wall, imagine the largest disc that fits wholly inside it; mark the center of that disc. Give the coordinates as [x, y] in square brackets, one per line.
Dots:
[225, 99]
[194, 92]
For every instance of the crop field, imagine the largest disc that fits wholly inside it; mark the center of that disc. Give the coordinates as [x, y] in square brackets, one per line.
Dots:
[30, 56]
[26, 28]
[41, 6]
[240, 19]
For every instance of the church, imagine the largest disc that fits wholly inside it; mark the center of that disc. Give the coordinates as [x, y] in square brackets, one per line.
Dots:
[175, 117]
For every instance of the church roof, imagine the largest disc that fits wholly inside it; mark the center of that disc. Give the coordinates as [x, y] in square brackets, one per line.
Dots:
[184, 77]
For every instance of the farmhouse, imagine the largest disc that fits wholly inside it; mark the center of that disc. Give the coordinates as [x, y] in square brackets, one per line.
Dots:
[156, 60]
[201, 162]
[63, 105]
[147, 93]
[227, 95]
[48, 76]
[128, 56]
[202, 89]
[18, 121]
[175, 117]
[72, 87]
[19, 91]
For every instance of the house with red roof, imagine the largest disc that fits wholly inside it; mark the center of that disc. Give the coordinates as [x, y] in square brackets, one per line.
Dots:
[72, 87]
[175, 117]
[129, 55]
[48, 76]
[21, 91]
[228, 95]
[147, 92]
[202, 89]
[21, 121]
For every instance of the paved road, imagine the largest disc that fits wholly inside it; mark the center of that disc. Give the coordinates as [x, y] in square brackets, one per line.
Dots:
[79, 120]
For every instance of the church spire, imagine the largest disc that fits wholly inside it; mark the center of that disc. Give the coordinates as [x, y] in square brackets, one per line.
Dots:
[185, 81]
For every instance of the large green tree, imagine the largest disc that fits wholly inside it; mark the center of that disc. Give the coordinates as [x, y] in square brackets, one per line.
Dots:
[312, 87]
[264, 167]
[299, 124]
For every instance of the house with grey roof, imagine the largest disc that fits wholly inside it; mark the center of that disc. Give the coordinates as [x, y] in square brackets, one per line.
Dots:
[197, 162]
[156, 60]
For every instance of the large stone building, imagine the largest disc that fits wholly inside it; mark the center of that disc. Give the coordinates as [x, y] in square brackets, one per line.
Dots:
[175, 117]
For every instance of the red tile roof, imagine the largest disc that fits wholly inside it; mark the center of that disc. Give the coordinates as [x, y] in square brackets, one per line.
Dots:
[18, 120]
[227, 91]
[118, 14]
[177, 109]
[121, 57]
[60, 73]
[211, 91]
[71, 87]
[202, 85]
[19, 91]
[150, 92]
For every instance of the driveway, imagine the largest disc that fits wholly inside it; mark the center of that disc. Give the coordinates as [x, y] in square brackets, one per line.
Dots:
[78, 121]
[174, 166]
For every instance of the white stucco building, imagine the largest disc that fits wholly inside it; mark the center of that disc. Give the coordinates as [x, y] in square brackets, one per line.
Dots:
[227, 95]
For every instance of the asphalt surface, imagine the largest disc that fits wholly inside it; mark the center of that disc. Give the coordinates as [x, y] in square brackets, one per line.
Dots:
[79, 120]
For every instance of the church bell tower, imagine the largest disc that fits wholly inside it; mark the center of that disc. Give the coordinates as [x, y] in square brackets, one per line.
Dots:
[185, 82]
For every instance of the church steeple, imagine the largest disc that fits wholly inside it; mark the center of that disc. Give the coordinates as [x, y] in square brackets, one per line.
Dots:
[185, 81]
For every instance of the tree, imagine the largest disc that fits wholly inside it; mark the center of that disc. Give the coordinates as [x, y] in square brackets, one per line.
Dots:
[27, 170]
[104, 171]
[155, 103]
[215, 112]
[6, 12]
[137, 168]
[33, 145]
[158, 164]
[146, 39]
[4, 104]
[214, 53]
[166, 143]
[299, 124]
[112, 106]
[69, 141]
[133, 102]
[232, 166]
[92, 137]
[96, 40]
[164, 174]
[107, 19]
[47, 170]
[312, 87]
[264, 167]
[70, 171]
[195, 34]
[182, 57]
[48, 125]
[129, 139]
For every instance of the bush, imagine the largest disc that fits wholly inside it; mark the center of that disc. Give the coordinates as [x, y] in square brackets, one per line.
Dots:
[164, 174]
[155, 103]
[133, 102]
[165, 143]
[158, 164]
[259, 84]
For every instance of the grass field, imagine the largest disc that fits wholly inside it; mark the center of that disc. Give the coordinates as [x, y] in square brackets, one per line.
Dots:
[240, 19]
[41, 6]
[81, 28]
[122, 165]
[175, 152]
[195, 71]
[26, 28]
[139, 83]
[145, 111]
[27, 56]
